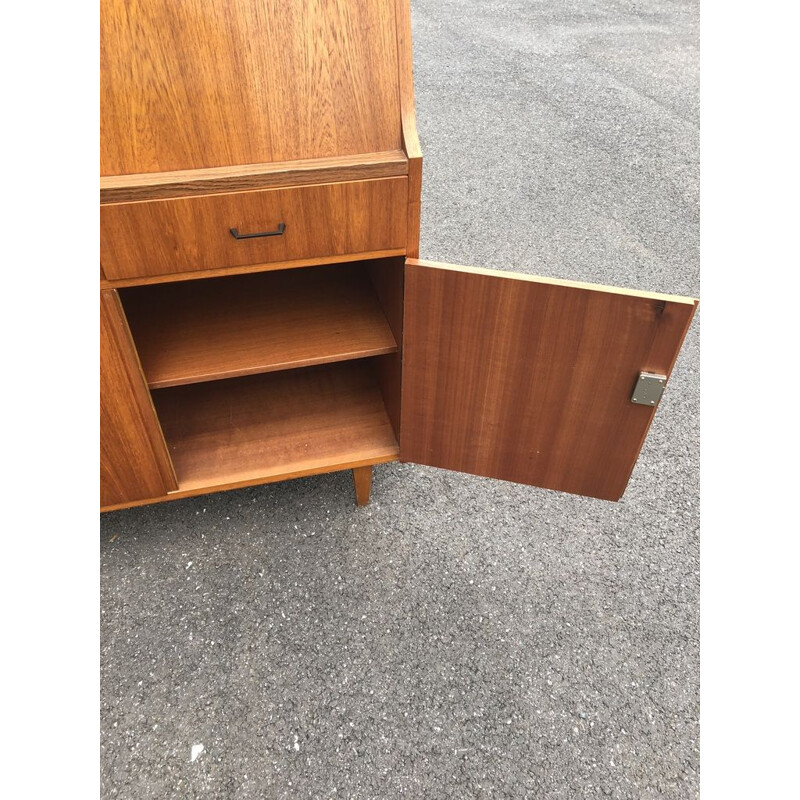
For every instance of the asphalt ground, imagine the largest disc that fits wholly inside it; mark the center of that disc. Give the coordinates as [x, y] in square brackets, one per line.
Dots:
[460, 636]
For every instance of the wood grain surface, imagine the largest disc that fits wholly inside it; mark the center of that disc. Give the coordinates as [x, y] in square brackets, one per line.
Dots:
[242, 177]
[267, 427]
[249, 269]
[408, 116]
[133, 457]
[227, 327]
[529, 380]
[387, 278]
[195, 84]
[180, 494]
[184, 234]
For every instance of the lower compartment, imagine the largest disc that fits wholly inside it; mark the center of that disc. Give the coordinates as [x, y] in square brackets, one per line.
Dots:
[264, 427]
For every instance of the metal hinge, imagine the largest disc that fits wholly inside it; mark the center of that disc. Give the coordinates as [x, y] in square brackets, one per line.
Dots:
[648, 389]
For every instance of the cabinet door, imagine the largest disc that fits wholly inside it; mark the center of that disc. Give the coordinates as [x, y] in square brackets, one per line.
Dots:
[529, 379]
[134, 464]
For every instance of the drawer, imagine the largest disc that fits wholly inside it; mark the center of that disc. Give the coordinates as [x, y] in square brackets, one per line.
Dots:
[187, 234]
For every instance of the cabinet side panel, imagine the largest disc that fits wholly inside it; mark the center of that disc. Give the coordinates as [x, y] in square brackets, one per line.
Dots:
[134, 463]
[387, 278]
[409, 121]
[528, 381]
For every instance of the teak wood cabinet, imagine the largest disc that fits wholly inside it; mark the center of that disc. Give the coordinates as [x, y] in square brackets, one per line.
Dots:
[264, 312]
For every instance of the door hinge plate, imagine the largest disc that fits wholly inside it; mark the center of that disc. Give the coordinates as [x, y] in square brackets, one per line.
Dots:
[649, 388]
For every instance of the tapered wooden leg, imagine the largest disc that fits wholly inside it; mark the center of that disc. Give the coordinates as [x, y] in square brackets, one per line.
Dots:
[362, 478]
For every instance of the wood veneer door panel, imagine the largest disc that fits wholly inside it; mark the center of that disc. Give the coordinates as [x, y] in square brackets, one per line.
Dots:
[159, 237]
[198, 84]
[529, 380]
[134, 463]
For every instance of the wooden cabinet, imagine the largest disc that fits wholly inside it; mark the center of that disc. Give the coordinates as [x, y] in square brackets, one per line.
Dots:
[264, 312]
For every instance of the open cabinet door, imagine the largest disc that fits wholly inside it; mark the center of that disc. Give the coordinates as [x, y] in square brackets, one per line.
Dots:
[529, 379]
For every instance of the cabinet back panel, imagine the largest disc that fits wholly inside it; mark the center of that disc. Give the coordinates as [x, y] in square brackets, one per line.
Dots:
[197, 84]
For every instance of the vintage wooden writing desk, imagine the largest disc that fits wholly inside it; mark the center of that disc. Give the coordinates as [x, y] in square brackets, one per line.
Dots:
[264, 314]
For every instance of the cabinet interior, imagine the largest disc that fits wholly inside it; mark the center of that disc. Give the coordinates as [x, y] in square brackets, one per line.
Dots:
[273, 374]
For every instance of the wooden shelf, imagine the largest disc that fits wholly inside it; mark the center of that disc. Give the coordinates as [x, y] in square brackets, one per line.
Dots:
[228, 327]
[274, 426]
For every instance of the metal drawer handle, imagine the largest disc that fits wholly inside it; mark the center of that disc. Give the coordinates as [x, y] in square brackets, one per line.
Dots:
[277, 232]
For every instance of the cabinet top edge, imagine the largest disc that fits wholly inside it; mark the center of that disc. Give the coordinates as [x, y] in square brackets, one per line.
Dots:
[592, 287]
[209, 180]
